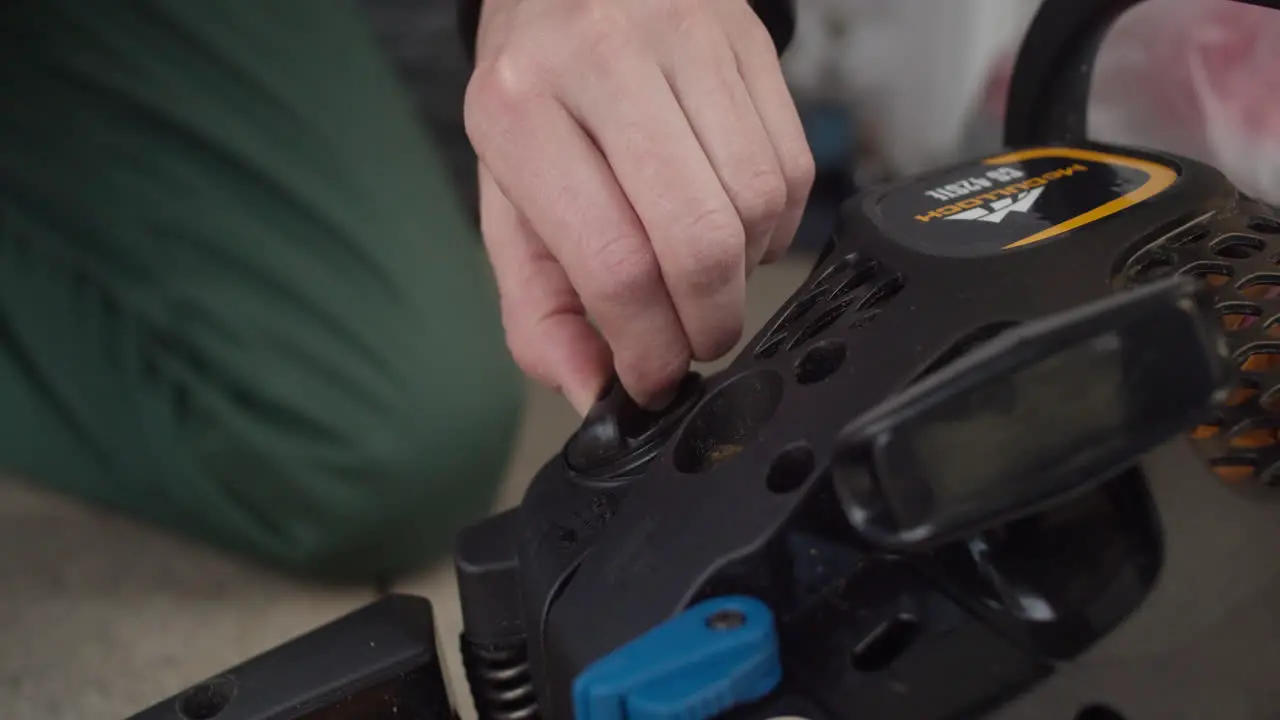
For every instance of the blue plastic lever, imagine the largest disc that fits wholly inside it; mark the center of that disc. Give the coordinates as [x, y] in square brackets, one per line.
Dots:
[712, 657]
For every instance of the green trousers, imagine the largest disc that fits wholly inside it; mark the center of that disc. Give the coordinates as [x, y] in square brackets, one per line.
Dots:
[238, 298]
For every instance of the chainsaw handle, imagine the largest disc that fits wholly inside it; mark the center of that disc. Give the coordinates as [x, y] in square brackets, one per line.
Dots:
[1049, 91]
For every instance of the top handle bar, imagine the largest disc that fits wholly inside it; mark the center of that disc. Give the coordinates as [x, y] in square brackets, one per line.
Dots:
[1049, 91]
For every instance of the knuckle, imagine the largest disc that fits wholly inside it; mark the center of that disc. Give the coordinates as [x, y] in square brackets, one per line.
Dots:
[762, 196]
[714, 267]
[486, 104]
[799, 171]
[714, 226]
[508, 81]
[714, 254]
[623, 272]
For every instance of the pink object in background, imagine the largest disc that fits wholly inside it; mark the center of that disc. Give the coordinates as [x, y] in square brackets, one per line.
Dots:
[1198, 77]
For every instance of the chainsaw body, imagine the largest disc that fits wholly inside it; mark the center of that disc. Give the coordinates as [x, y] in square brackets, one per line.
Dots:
[739, 495]
[1009, 451]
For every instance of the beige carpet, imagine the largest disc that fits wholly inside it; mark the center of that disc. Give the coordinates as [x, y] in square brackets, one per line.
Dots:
[100, 618]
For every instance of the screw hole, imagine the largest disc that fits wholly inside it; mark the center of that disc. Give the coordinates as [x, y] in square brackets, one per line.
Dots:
[820, 362]
[790, 469]
[208, 699]
[1098, 712]
[885, 644]
[726, 620]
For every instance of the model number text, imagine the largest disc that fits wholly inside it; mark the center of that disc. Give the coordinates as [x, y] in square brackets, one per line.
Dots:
[970, 185]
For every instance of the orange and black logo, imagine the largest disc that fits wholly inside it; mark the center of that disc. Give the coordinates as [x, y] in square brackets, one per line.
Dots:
[1018, 199]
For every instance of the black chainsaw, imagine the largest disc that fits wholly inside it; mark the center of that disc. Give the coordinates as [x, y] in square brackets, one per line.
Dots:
[1010, 451]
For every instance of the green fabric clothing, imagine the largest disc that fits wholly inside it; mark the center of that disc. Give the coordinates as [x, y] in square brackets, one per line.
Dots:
[238, 298]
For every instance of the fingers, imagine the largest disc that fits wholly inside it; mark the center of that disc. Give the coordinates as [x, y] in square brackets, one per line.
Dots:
[546, 325]
[571, 200]
[703, 73]
[639, 160]
[762, 76]
[691, 223]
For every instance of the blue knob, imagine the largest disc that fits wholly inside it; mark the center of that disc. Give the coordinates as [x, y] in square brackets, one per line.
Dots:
[712, 657]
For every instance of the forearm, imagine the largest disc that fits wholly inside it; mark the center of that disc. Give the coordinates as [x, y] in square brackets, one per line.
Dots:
[777, 15]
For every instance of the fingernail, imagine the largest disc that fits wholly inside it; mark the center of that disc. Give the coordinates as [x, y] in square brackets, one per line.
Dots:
[584, 398]
[581, 402]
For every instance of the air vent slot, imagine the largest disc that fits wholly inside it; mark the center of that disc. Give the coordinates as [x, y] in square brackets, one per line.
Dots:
[1213, 274]
[1149, 266]
[1239, 315]
[1237, 246]
[847, 294]
[1265, 225]
[1236, 255]
[1190, 236]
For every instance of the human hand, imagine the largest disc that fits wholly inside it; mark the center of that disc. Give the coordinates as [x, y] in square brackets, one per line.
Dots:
[638, 158]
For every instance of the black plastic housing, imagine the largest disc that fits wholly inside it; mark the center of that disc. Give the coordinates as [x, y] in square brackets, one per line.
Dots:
[1147, 593]
[1040, 413]
[740, 498]
[377, 663]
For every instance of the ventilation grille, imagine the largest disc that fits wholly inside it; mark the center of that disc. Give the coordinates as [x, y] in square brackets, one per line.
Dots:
[1237, 253]
[847, 293]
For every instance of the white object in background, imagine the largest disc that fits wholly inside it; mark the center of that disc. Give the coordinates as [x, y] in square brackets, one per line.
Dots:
[909, 71]
[1200, 78]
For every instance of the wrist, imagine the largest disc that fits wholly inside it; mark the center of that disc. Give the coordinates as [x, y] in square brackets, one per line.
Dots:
[777, 15]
